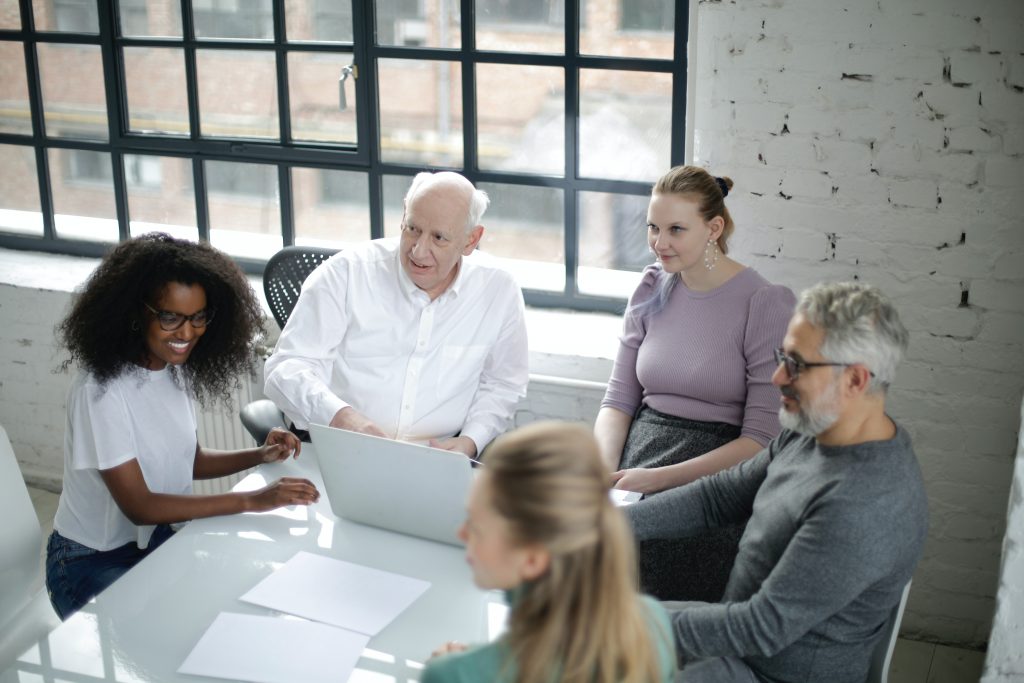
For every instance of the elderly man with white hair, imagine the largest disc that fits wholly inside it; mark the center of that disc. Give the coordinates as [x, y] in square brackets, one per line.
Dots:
[836, 507]
[419, 339]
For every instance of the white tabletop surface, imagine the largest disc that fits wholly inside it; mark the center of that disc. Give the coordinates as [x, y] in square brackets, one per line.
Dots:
[143, 626]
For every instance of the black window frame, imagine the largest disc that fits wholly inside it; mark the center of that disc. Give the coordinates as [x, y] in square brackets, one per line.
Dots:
[365, 156]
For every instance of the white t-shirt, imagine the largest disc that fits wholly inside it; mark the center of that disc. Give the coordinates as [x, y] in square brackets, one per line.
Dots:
[141, 414]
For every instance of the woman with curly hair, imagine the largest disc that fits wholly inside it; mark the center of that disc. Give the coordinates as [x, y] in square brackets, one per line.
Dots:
[540, 525]
[159, 323]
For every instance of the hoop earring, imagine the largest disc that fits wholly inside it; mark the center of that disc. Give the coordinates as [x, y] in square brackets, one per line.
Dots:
[711, 254]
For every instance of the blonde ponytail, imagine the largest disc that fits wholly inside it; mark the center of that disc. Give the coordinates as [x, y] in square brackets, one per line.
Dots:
[581, 621]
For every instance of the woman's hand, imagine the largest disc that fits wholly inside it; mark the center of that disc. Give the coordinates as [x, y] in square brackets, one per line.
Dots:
[640, 479]
[448, 648]
[284, 491]
[280, 445]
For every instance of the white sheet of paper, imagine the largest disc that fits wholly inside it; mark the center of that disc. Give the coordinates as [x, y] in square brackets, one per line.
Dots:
[621, 497]
[274, 650]
[336, 592]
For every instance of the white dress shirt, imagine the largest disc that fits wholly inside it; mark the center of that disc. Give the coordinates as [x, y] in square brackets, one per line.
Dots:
[364, 335]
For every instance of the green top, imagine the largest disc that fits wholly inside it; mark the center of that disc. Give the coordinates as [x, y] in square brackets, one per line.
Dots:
[486, 662]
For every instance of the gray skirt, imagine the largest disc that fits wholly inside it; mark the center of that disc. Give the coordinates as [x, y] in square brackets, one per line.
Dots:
[695, 568]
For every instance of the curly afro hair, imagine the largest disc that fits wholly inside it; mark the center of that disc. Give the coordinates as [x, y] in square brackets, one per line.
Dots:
[105, 330]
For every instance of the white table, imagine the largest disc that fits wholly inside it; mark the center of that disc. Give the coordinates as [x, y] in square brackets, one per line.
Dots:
[143, 626]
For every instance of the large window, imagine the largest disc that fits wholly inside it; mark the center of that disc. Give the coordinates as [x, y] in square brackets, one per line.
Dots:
[254, 124]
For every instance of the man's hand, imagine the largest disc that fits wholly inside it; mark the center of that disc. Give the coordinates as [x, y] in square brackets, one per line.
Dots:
[280, 444]
[641, 479]
[460, 444]
[348, 418]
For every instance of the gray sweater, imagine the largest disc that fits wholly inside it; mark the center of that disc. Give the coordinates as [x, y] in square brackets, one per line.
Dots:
[834, 535]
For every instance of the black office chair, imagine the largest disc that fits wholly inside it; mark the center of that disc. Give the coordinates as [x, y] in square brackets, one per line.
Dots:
[282, 281]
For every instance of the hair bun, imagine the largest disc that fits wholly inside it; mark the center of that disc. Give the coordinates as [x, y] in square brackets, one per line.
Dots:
[723, 184]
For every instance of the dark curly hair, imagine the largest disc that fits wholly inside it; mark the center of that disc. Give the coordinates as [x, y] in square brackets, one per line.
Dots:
[105, 330]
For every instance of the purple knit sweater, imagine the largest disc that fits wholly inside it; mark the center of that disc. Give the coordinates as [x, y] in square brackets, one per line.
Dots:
[707, 355]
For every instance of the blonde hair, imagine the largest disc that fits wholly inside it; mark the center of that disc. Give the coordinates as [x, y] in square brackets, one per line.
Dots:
[700, 185]
[580, 619]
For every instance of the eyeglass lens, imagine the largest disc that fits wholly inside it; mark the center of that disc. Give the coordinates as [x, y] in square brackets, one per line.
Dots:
[792, 369]
[172, 321]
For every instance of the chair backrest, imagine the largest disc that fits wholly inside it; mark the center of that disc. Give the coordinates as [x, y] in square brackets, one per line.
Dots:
[881, 658]
[283, 277]
[20, 537]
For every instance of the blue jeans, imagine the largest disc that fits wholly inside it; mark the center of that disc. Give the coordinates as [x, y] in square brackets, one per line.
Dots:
[75, 573]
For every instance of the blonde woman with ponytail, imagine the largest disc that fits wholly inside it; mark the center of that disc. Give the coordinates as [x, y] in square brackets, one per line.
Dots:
[540, 526]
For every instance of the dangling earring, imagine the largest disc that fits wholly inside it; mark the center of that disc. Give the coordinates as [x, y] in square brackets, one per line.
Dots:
[135, 323]
[711, 254]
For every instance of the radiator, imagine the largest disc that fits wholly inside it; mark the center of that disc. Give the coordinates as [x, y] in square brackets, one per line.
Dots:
[219, 428]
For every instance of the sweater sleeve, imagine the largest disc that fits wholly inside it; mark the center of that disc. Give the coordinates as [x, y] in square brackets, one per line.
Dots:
[624, 391]
[771, 307]
[717, 500]
[816, 576]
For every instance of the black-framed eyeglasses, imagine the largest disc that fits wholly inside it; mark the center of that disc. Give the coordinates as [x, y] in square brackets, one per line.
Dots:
[171, 321]
[794, 366]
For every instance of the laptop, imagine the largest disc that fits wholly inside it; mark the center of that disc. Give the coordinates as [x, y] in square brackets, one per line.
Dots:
[394, 485]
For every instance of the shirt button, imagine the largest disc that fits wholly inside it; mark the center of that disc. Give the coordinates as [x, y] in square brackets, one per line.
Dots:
[407, 406]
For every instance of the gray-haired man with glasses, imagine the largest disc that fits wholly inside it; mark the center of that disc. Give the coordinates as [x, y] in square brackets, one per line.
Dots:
[836, 507]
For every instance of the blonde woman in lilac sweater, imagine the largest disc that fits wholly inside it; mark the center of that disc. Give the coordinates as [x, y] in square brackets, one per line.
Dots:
[690, 393]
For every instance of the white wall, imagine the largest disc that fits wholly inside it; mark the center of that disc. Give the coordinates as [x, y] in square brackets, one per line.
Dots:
[1005, 660]
[882, 141]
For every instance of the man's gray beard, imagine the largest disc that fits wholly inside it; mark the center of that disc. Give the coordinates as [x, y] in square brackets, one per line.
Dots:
[815, 418]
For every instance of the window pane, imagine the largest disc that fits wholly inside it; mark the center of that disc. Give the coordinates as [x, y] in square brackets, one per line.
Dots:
[393, 189]
[521, 118]
[15, 115]
[420, 112]
[150, 18]
[150, 109]
[19, 191]
[521, 25]
[237, 93]
[161, 195]
[612, 242]
[314, 82]
[625, 124]
[77, 16]
[74, 99]
[245, 208]
[332, 208]
[415, 24]
[73, 112]
[10, 15]
[524, 230]
[235, 19]
[319, 20]
[628, 28]
[81, 182]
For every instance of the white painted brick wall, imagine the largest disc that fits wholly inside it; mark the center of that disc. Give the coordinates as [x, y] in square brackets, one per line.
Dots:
[1005, 661]
[32, 394]
[913, 110]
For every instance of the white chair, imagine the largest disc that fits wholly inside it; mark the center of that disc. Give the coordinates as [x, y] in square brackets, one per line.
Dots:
[25, 611]
[881, 658]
